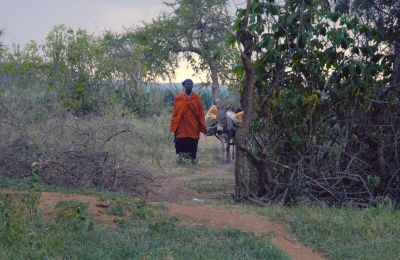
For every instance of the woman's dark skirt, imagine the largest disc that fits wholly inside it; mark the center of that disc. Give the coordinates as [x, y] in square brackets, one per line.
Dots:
[187, 146]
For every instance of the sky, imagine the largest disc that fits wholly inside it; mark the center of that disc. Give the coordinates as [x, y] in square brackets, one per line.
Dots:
[26, 20]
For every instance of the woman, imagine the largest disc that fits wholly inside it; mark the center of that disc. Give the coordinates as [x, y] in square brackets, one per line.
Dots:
[188, 121]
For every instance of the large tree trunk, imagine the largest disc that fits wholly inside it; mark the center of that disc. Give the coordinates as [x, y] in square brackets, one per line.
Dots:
[215, 82]
[248, 43]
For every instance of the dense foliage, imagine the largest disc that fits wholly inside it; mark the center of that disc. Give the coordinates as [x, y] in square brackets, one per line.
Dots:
[326, 123]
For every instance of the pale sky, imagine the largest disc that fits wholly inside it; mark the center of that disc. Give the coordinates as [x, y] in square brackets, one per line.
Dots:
[26, 20]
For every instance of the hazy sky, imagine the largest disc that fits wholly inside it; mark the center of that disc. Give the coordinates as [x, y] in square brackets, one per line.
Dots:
[26, 20]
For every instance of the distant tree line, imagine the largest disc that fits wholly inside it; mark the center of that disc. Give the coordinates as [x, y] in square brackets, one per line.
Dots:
[89, 72]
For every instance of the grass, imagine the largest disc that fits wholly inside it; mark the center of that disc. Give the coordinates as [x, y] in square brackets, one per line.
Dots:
[73, 234]
[346, 233]
[212, 184]
[339, 233]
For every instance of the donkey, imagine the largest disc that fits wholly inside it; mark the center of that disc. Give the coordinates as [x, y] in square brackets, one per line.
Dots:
[226, 134]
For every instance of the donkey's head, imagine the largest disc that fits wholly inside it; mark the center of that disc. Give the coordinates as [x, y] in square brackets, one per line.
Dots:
[224, 123]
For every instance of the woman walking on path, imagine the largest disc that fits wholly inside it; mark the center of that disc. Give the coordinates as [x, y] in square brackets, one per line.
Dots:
[188, 121]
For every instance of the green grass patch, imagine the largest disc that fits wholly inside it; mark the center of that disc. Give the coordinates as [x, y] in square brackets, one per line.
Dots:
[116, 210]
[211, 184]
[143, 235]
[346, 233]
[341, 233]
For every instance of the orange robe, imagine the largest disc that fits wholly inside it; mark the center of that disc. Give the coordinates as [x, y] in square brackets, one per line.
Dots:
[188, 116]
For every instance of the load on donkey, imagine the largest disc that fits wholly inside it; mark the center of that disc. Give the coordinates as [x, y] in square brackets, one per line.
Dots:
[223, 124]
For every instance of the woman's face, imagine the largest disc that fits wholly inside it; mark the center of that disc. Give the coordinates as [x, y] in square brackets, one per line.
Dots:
[189, 86]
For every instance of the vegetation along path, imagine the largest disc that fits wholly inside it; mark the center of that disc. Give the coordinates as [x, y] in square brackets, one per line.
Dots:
[191, 205]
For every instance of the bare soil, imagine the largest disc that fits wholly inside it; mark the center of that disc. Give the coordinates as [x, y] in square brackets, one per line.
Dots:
[190, 205]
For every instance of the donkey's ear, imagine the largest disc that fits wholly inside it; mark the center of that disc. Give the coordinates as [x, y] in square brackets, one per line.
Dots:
[217, 104]
[229, 106]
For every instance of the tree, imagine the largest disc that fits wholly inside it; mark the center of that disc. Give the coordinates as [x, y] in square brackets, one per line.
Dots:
[385, 16]
[197, 29]
[70, 55]
[127, 66]
[78, 69]
[248, 40]
[324, 111]
[22, 67]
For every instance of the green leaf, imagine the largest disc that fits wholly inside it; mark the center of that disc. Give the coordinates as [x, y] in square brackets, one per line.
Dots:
[252, 28]
[290, 19]
[267, 42]
[300, 54]
[355, 50]
[275, 10]
[296, 139]
[346, 71]
[257, 7]
[239, 71]
[237, 24]
[376, 58]
[322, 31]
[359, 68]
[252, 18]
[334, 16]
[339, 38]
[299, 101]
[345, 43]
[260, 28]
[231, 41]
[240, 13]
[304, 38]
[364, 29]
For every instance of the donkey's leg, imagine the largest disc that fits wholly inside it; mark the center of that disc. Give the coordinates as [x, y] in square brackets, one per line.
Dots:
[228, 145]
[222, 150]
[233, 149]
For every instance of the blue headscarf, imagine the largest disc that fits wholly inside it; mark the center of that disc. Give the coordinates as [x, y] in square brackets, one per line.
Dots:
[186, 81]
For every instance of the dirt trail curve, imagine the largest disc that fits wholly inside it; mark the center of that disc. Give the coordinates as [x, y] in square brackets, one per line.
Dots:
[180, 202]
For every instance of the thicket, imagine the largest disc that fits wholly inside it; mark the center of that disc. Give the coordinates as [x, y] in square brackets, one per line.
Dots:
[327, 108]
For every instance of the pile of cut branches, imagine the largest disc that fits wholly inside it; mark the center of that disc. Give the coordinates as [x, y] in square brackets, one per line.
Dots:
[68, 151]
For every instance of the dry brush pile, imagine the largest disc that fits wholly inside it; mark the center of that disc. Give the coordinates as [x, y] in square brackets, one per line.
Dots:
[67, 151]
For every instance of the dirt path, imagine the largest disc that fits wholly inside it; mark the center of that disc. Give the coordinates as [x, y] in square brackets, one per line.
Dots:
[169, 190]
[185, 204]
